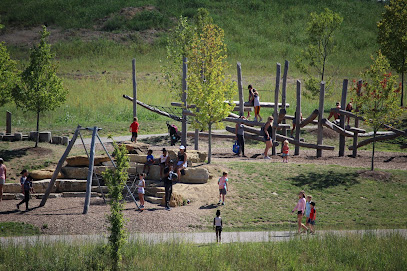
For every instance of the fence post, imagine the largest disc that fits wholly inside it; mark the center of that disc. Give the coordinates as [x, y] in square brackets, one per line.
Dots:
[90, 171]
[133, 62]
[298, 118]
[240, 88]
[342, 118]
[283, 97]
[320, 116]
[275, 114]
[184, 100]
[8, 122]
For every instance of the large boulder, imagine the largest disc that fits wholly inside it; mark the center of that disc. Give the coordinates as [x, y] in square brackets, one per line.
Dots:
[41, 174]
[136, 148]
[42, 185]
[195, 176]
[80, 173]
[83, 160]
[176, 200]
[138, 158]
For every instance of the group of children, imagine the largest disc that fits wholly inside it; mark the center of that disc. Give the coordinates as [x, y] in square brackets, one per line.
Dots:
[305, 207]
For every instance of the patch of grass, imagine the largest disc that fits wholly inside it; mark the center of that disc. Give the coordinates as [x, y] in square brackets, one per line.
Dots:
[264, 195]
[367, 252]
[17, 229]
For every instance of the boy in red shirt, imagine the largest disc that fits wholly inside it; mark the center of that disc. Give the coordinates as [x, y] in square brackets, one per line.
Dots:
[311, 219]
[134, 129]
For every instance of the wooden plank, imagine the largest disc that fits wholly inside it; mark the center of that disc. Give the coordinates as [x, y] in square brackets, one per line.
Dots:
[246, 135]
[253, 123]
[182, 105]
[378, 138]
[378, 133]
[284, 98]
[395, 130]
[310, 119]
[245, 109]
[336, 128]
[275, 113]
[133, 64]
[297, 119]
[346, 113]
[262, 104]
[355, 130]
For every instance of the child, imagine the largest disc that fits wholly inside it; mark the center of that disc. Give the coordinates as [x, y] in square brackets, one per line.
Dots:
[28, 186]
[285, 151]
[164, 160]
[311, 220]
[24, 174]
[223, 187]
[307, 209]
[300, 207]
[3, 174]
[149, 162]
[169, 177]
[256, 106]
[217, 225]
[251, 99]
[141, 185]
[134, 129]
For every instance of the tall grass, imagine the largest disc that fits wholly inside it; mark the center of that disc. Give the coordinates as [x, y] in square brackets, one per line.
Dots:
[367, 252]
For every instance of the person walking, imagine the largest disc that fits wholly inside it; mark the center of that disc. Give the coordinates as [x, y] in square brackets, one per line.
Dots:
[218, 226]
[28, 187]
[134, 127]
[3, 174]
[300, 207]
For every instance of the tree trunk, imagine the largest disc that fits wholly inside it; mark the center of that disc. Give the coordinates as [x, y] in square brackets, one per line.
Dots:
[374, 143]
[402, 86]
[210, 143]
[38, 127]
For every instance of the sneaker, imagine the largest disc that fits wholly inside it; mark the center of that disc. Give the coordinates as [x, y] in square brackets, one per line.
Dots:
[168, 208]
[223, 203]
[267, 157]
[219, 202]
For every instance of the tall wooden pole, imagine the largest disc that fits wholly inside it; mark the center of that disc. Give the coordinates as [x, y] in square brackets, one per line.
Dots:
[298, 118]
[275, 115]
[283, 96]
[355, 134]
[240, 87]
[8, 122]
[59, 166]
[90, 171]
[133, 62]
[320, 116]
[343, 118]
[184, 101]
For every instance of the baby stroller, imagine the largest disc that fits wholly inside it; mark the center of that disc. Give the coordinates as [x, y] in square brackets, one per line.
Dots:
[173, 131]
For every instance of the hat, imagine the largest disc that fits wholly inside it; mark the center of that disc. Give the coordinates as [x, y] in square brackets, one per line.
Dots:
[182, 147]
[23, 171]
[1, 159]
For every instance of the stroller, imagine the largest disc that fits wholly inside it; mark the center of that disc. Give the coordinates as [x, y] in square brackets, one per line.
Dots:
[173, 131]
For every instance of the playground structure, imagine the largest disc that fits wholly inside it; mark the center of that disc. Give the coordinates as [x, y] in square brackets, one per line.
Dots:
[280, 117]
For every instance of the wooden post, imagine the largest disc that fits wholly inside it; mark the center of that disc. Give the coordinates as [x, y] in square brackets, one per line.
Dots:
[133, 62]
[343, 118]
[184, 101]
[59, 166]
[275, 114]
[320, 116]
[355, 134]
[90, 171]
[298, 118]
[8, 122]
[283, 97]
[240, 87]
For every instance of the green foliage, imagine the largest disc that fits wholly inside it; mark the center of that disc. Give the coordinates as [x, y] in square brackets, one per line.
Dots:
[18, 229]
[320, 41]
[40, 89]
[392, 36]
[377, 98]
[116, 180]
[8, 75]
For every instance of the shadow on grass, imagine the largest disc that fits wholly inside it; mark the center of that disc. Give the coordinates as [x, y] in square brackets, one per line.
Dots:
[320, 181]
[8, 155]
[209, 206]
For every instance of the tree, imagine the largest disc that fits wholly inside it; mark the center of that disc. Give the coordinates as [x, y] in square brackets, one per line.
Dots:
[208, 85]
[8, 74]
[377, 98]
[115, 180]
[392, 37]
[320, 33]
[40, 89]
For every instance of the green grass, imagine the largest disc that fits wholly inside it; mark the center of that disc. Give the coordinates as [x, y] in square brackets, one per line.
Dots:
[17, 229]
[264, 195]
[328, 253]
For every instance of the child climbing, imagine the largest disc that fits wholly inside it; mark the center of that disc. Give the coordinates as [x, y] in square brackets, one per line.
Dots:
[218, 225]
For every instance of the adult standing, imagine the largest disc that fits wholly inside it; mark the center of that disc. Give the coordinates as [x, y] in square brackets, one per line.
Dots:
[267, 136]
[3, 174]
[239, 130]
[251, 98]
[169, 176]
[181, 161]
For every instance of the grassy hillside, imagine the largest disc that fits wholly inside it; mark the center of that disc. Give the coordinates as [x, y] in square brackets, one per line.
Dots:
[97, 71]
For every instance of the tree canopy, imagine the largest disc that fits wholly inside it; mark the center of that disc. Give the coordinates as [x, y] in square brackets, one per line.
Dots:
[392, 37]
